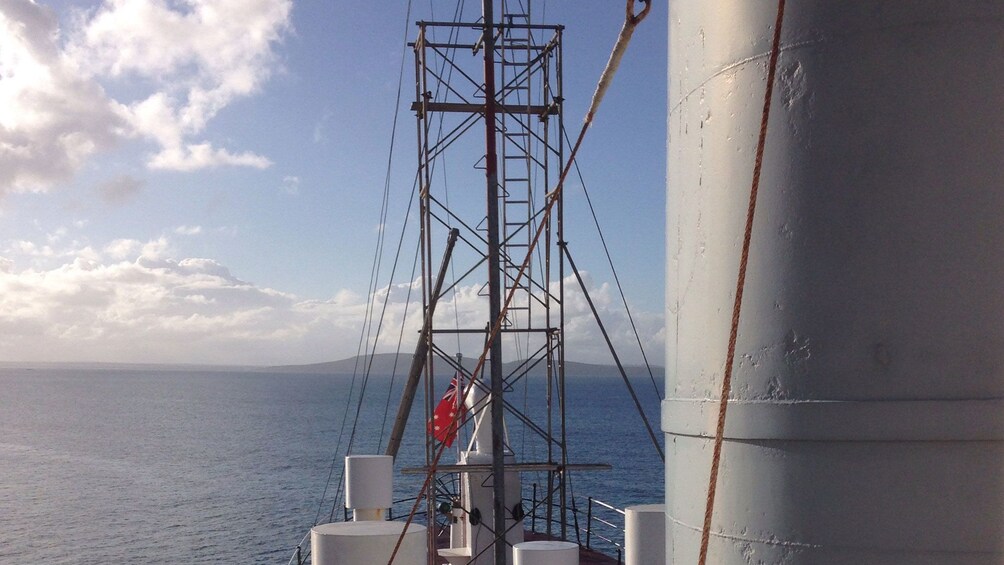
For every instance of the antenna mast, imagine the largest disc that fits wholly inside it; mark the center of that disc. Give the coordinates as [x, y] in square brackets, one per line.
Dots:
[494, 290]
[519, 103]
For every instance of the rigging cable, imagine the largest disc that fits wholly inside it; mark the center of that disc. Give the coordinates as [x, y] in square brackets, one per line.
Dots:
[458, 12]
[374, 274]
[617, 279]
[400, 339]
[617, 361]
[372, 352]
[740, 284]
[620, 47]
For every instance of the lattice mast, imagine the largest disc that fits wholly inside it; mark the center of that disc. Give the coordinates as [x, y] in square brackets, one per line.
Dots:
[518, 100]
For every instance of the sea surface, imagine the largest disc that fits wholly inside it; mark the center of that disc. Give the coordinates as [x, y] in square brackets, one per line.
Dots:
[184, 466]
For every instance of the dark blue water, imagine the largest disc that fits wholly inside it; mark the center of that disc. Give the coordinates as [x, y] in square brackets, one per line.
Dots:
[229, 467]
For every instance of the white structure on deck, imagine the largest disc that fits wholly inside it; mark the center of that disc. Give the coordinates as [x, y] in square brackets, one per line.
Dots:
[369, 488]
[645, 534]
[546, 553]
[368, 539]
[865, 421]
[367, 543]
[471, 532]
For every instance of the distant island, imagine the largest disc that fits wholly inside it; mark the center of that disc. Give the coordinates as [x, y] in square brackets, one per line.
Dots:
[384, 364]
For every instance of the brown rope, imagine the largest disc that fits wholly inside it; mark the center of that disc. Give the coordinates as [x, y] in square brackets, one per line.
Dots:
[740, 284]
[630, 23]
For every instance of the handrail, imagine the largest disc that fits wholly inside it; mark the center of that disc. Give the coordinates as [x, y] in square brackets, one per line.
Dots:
[605, 505]
[602, 521]
[298, 555]
[609, 529]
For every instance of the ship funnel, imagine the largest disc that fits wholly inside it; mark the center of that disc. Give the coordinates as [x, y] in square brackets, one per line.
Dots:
[866, 414]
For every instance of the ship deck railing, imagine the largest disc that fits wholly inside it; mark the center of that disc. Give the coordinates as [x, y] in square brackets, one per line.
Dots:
[599, 528]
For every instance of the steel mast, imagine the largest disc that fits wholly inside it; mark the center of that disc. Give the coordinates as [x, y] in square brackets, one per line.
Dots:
[518, 100]
[494, 288]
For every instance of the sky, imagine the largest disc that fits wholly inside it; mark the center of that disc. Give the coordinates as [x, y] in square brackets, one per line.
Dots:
[199, 181]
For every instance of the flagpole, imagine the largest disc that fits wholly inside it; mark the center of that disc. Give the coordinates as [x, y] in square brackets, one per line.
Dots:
[460, 387]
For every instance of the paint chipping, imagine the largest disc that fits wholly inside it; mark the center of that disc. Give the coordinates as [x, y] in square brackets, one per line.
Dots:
[774, 389]
[786, 232]
[791, 79]
[796, 349]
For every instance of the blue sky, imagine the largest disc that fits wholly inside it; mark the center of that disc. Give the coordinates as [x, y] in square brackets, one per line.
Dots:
[196, 181]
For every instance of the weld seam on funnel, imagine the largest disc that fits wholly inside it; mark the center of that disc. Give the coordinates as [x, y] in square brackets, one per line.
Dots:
[840, 420]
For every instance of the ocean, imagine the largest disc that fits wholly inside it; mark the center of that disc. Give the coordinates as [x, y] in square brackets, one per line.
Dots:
[183, 466]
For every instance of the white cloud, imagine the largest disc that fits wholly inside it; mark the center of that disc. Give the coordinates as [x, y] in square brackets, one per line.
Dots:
[53, 117]
[132, 300]
[56, 236]
[122, 248]
[467, 305]
[200, 54]
[188, 230]
[31, 249]
[193, 157]
[291, 185]
[187, 61]
[150, 307]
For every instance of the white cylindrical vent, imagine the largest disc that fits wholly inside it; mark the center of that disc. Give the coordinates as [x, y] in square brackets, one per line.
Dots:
[866, 414]
[545, 553]
[368, 514]
[645, 534]
[369, 481]
[366, 543]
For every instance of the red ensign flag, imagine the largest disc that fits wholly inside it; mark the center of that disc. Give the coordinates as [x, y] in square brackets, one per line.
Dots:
[443, 426]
